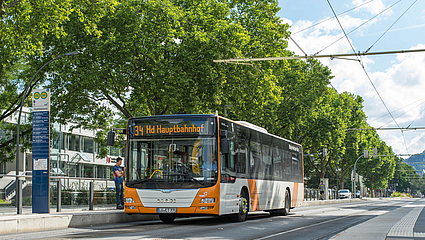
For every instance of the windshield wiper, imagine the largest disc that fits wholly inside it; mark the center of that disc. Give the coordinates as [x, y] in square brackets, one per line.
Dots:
[139, 181]
[186, 175]
[195, 180]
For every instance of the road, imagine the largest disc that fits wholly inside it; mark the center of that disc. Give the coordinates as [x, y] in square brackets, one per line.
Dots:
[338, 221]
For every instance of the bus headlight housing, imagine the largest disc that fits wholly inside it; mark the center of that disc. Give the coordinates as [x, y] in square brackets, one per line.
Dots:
[129, 200]
[208, 200]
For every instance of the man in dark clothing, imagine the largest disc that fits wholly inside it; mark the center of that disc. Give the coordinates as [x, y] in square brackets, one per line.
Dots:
[119, 179]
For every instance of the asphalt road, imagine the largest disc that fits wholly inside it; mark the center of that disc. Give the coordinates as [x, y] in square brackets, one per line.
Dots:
[321, 222]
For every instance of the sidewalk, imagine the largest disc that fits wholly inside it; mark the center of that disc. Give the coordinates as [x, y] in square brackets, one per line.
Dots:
[70, 216]
[407, 222]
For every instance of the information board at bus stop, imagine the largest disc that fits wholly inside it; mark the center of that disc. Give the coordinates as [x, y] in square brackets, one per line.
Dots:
[41, 151]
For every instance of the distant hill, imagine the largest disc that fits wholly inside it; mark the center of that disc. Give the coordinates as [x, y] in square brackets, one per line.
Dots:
[417, 162]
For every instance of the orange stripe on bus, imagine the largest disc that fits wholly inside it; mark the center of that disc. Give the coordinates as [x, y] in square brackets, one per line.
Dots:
[255, 204]
[295, 195]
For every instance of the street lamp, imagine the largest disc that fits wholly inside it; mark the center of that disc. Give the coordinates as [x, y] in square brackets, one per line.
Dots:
[366, 155]
[18, 195]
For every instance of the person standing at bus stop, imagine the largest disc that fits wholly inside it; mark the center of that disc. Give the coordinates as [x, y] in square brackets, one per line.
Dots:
[322, 190]
[118, 173]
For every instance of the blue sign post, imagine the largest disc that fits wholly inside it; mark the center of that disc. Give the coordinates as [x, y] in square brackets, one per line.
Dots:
[41, 151]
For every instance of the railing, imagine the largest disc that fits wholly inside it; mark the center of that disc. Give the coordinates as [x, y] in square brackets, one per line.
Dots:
[314, 194]
[73, 191]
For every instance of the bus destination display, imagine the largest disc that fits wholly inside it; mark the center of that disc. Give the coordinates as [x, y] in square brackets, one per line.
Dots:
[149, 128]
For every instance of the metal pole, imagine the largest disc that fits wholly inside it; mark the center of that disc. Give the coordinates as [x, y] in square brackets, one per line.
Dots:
[91, 195]
[59, 191]
[354, 175]
[19, 193]
[226, 106]
[19, 197]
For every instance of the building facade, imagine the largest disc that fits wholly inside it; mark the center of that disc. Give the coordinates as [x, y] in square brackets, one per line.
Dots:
[73, 153]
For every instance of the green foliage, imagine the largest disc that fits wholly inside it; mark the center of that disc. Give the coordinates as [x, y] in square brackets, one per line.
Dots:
[23, 28]
[398, 194]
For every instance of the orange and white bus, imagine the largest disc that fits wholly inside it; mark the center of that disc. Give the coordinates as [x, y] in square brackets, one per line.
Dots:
[189, 165]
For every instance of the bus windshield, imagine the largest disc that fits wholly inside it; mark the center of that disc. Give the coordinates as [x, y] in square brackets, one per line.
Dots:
[171, 163]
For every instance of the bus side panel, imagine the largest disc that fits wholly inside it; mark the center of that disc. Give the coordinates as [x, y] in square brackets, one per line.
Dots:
[297, 195]
[268, 195]
[271, 194]
[229, 200]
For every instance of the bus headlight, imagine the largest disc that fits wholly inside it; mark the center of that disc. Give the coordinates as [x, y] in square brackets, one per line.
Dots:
[129, 200]
[208, 200]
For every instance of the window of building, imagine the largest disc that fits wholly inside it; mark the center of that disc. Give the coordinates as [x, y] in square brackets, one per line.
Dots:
[88, 144]
[74, 142]
[88, 171]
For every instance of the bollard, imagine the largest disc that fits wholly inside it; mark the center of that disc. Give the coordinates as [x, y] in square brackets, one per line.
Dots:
[91, 195]
[59, 194]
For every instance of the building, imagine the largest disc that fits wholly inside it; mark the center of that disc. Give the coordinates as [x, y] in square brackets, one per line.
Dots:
[73, 153]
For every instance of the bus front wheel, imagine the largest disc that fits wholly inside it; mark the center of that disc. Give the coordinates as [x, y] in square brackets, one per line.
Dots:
[243, 210]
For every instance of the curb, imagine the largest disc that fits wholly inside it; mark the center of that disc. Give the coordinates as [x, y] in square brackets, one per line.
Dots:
[325, 202]
[43, 222]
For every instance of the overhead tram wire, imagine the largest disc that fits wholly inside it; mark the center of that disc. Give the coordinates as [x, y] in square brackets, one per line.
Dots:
[349, 32]
[361, 25]
[391, 26]
[314, 64]
[373, 120]
[376, 90]
[325, 20]
[403, 114]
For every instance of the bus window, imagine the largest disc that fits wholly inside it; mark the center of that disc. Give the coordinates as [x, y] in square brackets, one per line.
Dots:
[295, 167]
[255, 156]
[228, 161]
[240, 157]
[228, 167]
[139, 167]
[266, 164]
[277, 164]
[287, 164]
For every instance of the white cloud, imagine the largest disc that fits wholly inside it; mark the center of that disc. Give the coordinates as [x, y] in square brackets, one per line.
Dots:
[373, 7]
[401, 86]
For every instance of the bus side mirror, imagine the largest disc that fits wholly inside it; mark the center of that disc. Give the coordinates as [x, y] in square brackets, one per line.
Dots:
[225, 146]
[110, 141]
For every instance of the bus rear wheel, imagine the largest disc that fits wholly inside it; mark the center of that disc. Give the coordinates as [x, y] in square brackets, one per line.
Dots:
[167, 218]
[287, 204]
[285, 210]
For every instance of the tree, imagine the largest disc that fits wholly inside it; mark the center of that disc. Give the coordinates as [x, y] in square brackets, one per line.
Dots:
[23, 27]
[156, 58]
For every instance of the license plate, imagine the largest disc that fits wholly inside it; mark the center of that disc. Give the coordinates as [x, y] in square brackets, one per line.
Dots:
[166, 210]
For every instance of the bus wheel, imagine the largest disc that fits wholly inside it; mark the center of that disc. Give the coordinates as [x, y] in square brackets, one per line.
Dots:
[167, 218]
[287, 204]
[243, 210]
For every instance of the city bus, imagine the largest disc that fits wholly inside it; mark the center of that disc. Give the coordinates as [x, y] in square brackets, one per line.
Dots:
[205, 164]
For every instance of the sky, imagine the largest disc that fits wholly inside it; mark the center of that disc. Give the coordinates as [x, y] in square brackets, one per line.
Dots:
[381, 25]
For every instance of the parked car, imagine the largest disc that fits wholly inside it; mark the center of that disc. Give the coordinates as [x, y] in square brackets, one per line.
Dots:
[344, 193]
